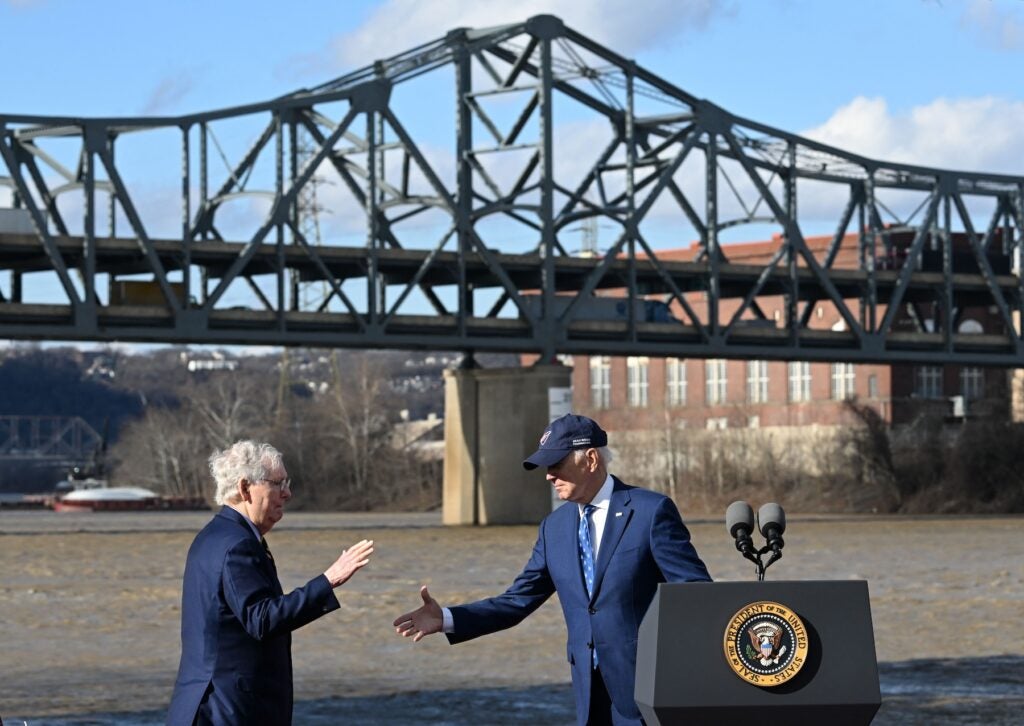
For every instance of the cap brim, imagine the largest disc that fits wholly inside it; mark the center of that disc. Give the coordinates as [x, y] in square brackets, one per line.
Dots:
[545, 458]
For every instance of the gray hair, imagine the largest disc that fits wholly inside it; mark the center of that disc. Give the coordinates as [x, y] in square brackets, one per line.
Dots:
[603, 452]
[249, 460]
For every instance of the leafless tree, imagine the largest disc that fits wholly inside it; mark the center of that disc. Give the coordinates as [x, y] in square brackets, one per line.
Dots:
[163, 451]
[230, 406]
[358, 413]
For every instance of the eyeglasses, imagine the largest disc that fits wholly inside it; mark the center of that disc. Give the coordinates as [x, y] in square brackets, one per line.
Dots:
[284, 485]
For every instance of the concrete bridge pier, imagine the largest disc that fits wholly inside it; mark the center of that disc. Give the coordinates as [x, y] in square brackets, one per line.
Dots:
[493, 419]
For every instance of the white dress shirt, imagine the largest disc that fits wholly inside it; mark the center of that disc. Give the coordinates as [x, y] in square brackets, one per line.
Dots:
[602, 501]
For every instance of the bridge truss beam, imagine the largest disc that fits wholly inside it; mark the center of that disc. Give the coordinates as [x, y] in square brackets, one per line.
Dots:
[466, 243]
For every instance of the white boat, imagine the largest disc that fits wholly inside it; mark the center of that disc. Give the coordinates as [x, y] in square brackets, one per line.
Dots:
[105, 499]
[93, 494]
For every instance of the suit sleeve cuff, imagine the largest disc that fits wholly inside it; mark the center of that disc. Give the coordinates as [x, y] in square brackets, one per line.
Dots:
[325, 594]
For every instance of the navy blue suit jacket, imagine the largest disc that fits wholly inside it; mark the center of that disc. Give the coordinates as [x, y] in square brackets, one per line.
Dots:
[236, 625]
[644, 543]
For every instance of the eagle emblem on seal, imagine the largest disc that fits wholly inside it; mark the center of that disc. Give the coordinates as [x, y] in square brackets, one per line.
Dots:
[766, 637]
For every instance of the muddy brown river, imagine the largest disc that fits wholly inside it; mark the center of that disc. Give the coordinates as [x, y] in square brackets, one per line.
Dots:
[89, 616]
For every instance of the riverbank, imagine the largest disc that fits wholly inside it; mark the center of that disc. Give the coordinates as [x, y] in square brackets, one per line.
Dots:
[90, 611]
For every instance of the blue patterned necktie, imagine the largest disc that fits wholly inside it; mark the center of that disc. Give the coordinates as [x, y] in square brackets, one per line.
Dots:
[587, 557]
[587, 549]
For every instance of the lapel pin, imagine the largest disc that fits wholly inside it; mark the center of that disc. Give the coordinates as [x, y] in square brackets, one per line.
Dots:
[618, 514]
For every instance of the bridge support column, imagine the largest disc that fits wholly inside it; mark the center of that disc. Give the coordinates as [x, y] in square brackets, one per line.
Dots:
[493, 420]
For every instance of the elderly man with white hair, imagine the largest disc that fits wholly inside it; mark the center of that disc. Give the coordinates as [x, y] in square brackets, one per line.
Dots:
[236, 621]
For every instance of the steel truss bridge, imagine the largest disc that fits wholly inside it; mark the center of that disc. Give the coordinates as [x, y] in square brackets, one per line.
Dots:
[438, 200]
[56, 440]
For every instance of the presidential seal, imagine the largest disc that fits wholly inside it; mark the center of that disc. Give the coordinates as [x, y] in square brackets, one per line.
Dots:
[766, 644]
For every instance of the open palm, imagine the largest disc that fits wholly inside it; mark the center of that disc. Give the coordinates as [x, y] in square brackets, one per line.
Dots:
[422, 621]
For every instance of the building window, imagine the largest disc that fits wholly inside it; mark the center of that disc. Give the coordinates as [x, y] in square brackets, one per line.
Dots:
[753, 422]
[714, 376]
[799, 381]
[928, 382]
[872, 386]
[600, 381]
[757, 381]
[675, 381]
[636, 381]
[972, 383]
[842, 381]
[717, 424]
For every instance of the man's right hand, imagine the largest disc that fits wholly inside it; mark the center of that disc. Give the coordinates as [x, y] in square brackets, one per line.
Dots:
[421, 622]
[354, 558]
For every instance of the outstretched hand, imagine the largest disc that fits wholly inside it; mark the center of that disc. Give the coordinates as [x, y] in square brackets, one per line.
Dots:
[354, 558]
[421, 622]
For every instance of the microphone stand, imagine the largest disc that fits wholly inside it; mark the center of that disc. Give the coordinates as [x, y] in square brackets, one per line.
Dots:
[745, 546]
[776, 556]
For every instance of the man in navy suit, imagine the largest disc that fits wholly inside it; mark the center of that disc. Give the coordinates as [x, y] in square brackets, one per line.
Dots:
[236, 621]
[605, 557]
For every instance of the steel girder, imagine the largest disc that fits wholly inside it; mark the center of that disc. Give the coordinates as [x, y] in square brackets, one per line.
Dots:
[46, 439]
[922, 246]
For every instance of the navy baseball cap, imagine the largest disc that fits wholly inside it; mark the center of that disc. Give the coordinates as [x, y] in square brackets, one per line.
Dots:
[564, 434]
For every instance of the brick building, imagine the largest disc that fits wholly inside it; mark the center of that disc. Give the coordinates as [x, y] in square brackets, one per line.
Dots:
[639, 393]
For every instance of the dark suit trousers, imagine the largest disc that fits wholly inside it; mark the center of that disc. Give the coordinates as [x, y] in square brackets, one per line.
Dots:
[600, 701]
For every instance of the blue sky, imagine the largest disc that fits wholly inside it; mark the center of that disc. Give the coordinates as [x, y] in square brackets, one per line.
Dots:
[794, 64]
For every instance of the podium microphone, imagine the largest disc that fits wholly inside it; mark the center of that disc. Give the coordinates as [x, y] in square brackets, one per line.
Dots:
[739, 522]
[771, 522]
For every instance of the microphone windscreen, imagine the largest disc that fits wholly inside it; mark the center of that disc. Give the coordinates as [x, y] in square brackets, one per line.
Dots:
[739, 515]
[771, 515]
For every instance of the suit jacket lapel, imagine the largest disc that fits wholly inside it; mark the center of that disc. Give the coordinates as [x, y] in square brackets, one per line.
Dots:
[268, 564]
[619, 514]
[570, 544]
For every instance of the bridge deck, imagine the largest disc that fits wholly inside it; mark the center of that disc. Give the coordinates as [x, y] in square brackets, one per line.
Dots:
[510, 331]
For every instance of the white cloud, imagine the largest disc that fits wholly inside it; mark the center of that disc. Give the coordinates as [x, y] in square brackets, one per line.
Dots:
[397, 25]
[995, 24]
[970, 134]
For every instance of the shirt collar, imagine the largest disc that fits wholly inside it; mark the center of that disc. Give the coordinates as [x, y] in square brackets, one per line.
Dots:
[253, 527]
[603, 498]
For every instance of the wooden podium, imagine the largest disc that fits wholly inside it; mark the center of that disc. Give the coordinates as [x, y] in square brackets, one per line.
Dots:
[758, 653]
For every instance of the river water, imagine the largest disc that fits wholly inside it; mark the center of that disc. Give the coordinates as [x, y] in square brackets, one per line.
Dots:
[89, 616]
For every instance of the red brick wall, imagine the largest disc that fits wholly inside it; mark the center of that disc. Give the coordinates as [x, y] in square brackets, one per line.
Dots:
[894, 399]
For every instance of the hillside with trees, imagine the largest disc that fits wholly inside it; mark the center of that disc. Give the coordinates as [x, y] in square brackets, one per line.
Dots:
[333, 413]
[340, 417]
